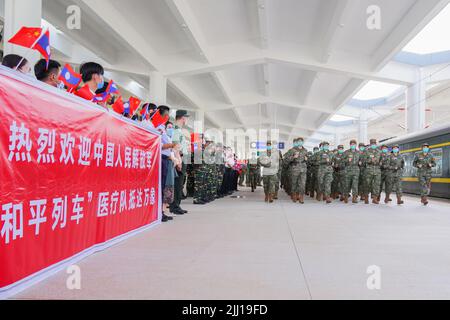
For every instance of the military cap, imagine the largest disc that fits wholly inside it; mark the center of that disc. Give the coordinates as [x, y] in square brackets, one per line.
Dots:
[362, 144]
[325, 143]
[353, 141]
[341, 146]
[426, 145]
[373, 141]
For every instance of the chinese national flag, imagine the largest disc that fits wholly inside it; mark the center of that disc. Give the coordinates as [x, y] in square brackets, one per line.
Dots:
[85, 93]
[134, 104]
[118, 106]
[158, 120]
[26, 37]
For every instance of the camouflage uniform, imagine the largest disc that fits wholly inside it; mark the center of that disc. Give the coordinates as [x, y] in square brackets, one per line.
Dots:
[361, 185]
[424, 162]
[339, 175]
[315, 173]
[297, 159]
[253, 170]
[372, 173]
[285, 178]
[325, 174]
[270, 161]
[352, 161]
[190, 180]
[394, 165]
[384, 170]
[309, 188]
[199, 182]
[280, 168]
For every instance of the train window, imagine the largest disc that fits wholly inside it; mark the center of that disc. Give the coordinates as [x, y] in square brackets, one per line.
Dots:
[411, 171]
[438, 170]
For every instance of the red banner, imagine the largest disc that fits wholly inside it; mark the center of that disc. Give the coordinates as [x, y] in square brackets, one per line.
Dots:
[72, 174]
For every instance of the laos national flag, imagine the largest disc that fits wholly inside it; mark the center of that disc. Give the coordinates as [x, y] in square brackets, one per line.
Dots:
[43, 46]
[112, 88]
[70, 78]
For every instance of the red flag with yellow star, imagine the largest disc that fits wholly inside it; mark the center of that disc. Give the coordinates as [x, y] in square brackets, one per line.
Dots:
[26, 37]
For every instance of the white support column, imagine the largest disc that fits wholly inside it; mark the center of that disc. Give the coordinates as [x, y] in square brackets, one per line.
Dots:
[416, 104]
[158, 88]
[363, 123]
[21, 13]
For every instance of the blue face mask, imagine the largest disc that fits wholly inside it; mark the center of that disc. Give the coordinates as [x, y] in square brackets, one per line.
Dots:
[326, 148]
[426, 150]
[169, 132]
[396, 150]
[340, 151]
[362, 148]
[101, 84]
[385, 150]
[353, 147]
[269, 148]
[374, 147]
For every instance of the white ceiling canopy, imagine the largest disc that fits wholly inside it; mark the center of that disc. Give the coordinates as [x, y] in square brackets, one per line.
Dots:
[300, 61]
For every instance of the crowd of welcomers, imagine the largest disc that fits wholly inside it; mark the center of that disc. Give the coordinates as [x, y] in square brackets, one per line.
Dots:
[176, 144]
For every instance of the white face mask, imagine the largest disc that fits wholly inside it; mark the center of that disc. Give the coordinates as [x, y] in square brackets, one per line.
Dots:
[60, 85]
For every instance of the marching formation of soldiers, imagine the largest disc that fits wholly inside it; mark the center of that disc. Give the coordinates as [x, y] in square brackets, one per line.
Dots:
[360, 173]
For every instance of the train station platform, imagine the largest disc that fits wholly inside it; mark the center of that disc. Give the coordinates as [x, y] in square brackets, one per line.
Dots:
[243, 248]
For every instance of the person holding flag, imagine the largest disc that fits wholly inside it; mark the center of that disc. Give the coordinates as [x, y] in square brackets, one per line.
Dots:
[49, 73]
[92, 76]
[16, 62]
[104, 95]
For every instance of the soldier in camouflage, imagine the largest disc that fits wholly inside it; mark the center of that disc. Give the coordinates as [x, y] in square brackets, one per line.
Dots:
[425, 162]
[325, 174]
[372, 172]
[315, 171]
[339, 173]
[297, 159]
[309, 190]
[352, 163]
[385, 155]
[253, 169]
[285, 178]
[199, 171]
[361, 185]
[394, 166]
[270, 161]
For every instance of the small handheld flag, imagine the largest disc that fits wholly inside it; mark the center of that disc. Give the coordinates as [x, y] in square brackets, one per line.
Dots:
[33, 38]
[70, 78]
[26, 37]
[158, 120]
[85, 93]
[118, 106]
[134, 104]
[43, 46]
